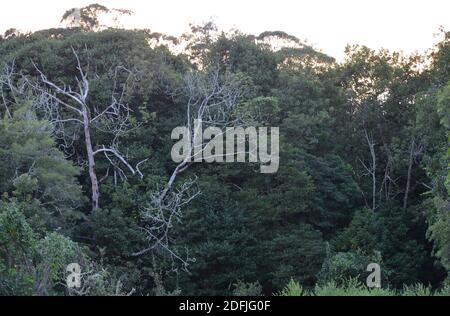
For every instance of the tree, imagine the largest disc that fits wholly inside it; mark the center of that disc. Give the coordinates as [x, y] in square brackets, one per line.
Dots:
[31, 264]
[75, 109]
[212, 98]
[439, 229]
[370, 133]
[87, 18]
[34, 172]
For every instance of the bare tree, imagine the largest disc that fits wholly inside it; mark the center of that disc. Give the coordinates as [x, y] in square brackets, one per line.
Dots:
[371, 169]
[11, 89]
[211, 99]
[415, 149]
[64, 105]
[388, 182]
[161, 215]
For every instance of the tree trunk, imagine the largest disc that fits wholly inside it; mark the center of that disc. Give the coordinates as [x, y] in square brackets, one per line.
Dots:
[374, 178]
[373, 169]
[91, 160]
[408, 181]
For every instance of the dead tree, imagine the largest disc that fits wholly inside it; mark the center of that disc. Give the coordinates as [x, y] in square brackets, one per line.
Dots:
[159, 218]
[11, 89]
[371, 169]
[65, 105]
[389, 182]
[415, 149]
[211, 99]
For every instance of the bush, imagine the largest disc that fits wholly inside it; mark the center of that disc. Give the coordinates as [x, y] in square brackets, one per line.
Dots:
[247, 289]
[293, 288]
[346, 265]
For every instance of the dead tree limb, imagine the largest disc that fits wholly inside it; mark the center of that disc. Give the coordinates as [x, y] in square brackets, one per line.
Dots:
[371, 169]
[211, 99]
[64, 105]
[415, 149]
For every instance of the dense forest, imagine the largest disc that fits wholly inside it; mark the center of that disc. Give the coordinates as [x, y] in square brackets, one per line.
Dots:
[86, 175]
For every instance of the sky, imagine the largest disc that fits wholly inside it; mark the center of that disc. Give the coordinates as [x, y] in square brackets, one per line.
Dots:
[329, 25]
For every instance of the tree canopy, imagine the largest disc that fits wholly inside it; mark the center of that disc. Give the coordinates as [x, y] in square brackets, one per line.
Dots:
[363, 177]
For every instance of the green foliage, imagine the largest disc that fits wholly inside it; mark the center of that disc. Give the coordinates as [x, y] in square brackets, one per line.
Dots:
[35, 172]
[115, 233]
[298, 253]
[293, 288]
[263, 111]
[443, 105]
[352, 287]
[347, 265]
[416, 290]
[389, 232]
[56, 252]
[437, 102]
[247, 289]
[219, 240]
[308, 229]
[31, 264]
[439, 230]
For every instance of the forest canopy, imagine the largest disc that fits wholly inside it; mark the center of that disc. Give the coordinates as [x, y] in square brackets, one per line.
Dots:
[86, 176]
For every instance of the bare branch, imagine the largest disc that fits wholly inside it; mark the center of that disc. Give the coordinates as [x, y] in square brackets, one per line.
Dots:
[160, 216]
[113, 119]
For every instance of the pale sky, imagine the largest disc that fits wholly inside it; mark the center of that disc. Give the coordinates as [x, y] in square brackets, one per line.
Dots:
[407, 25]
